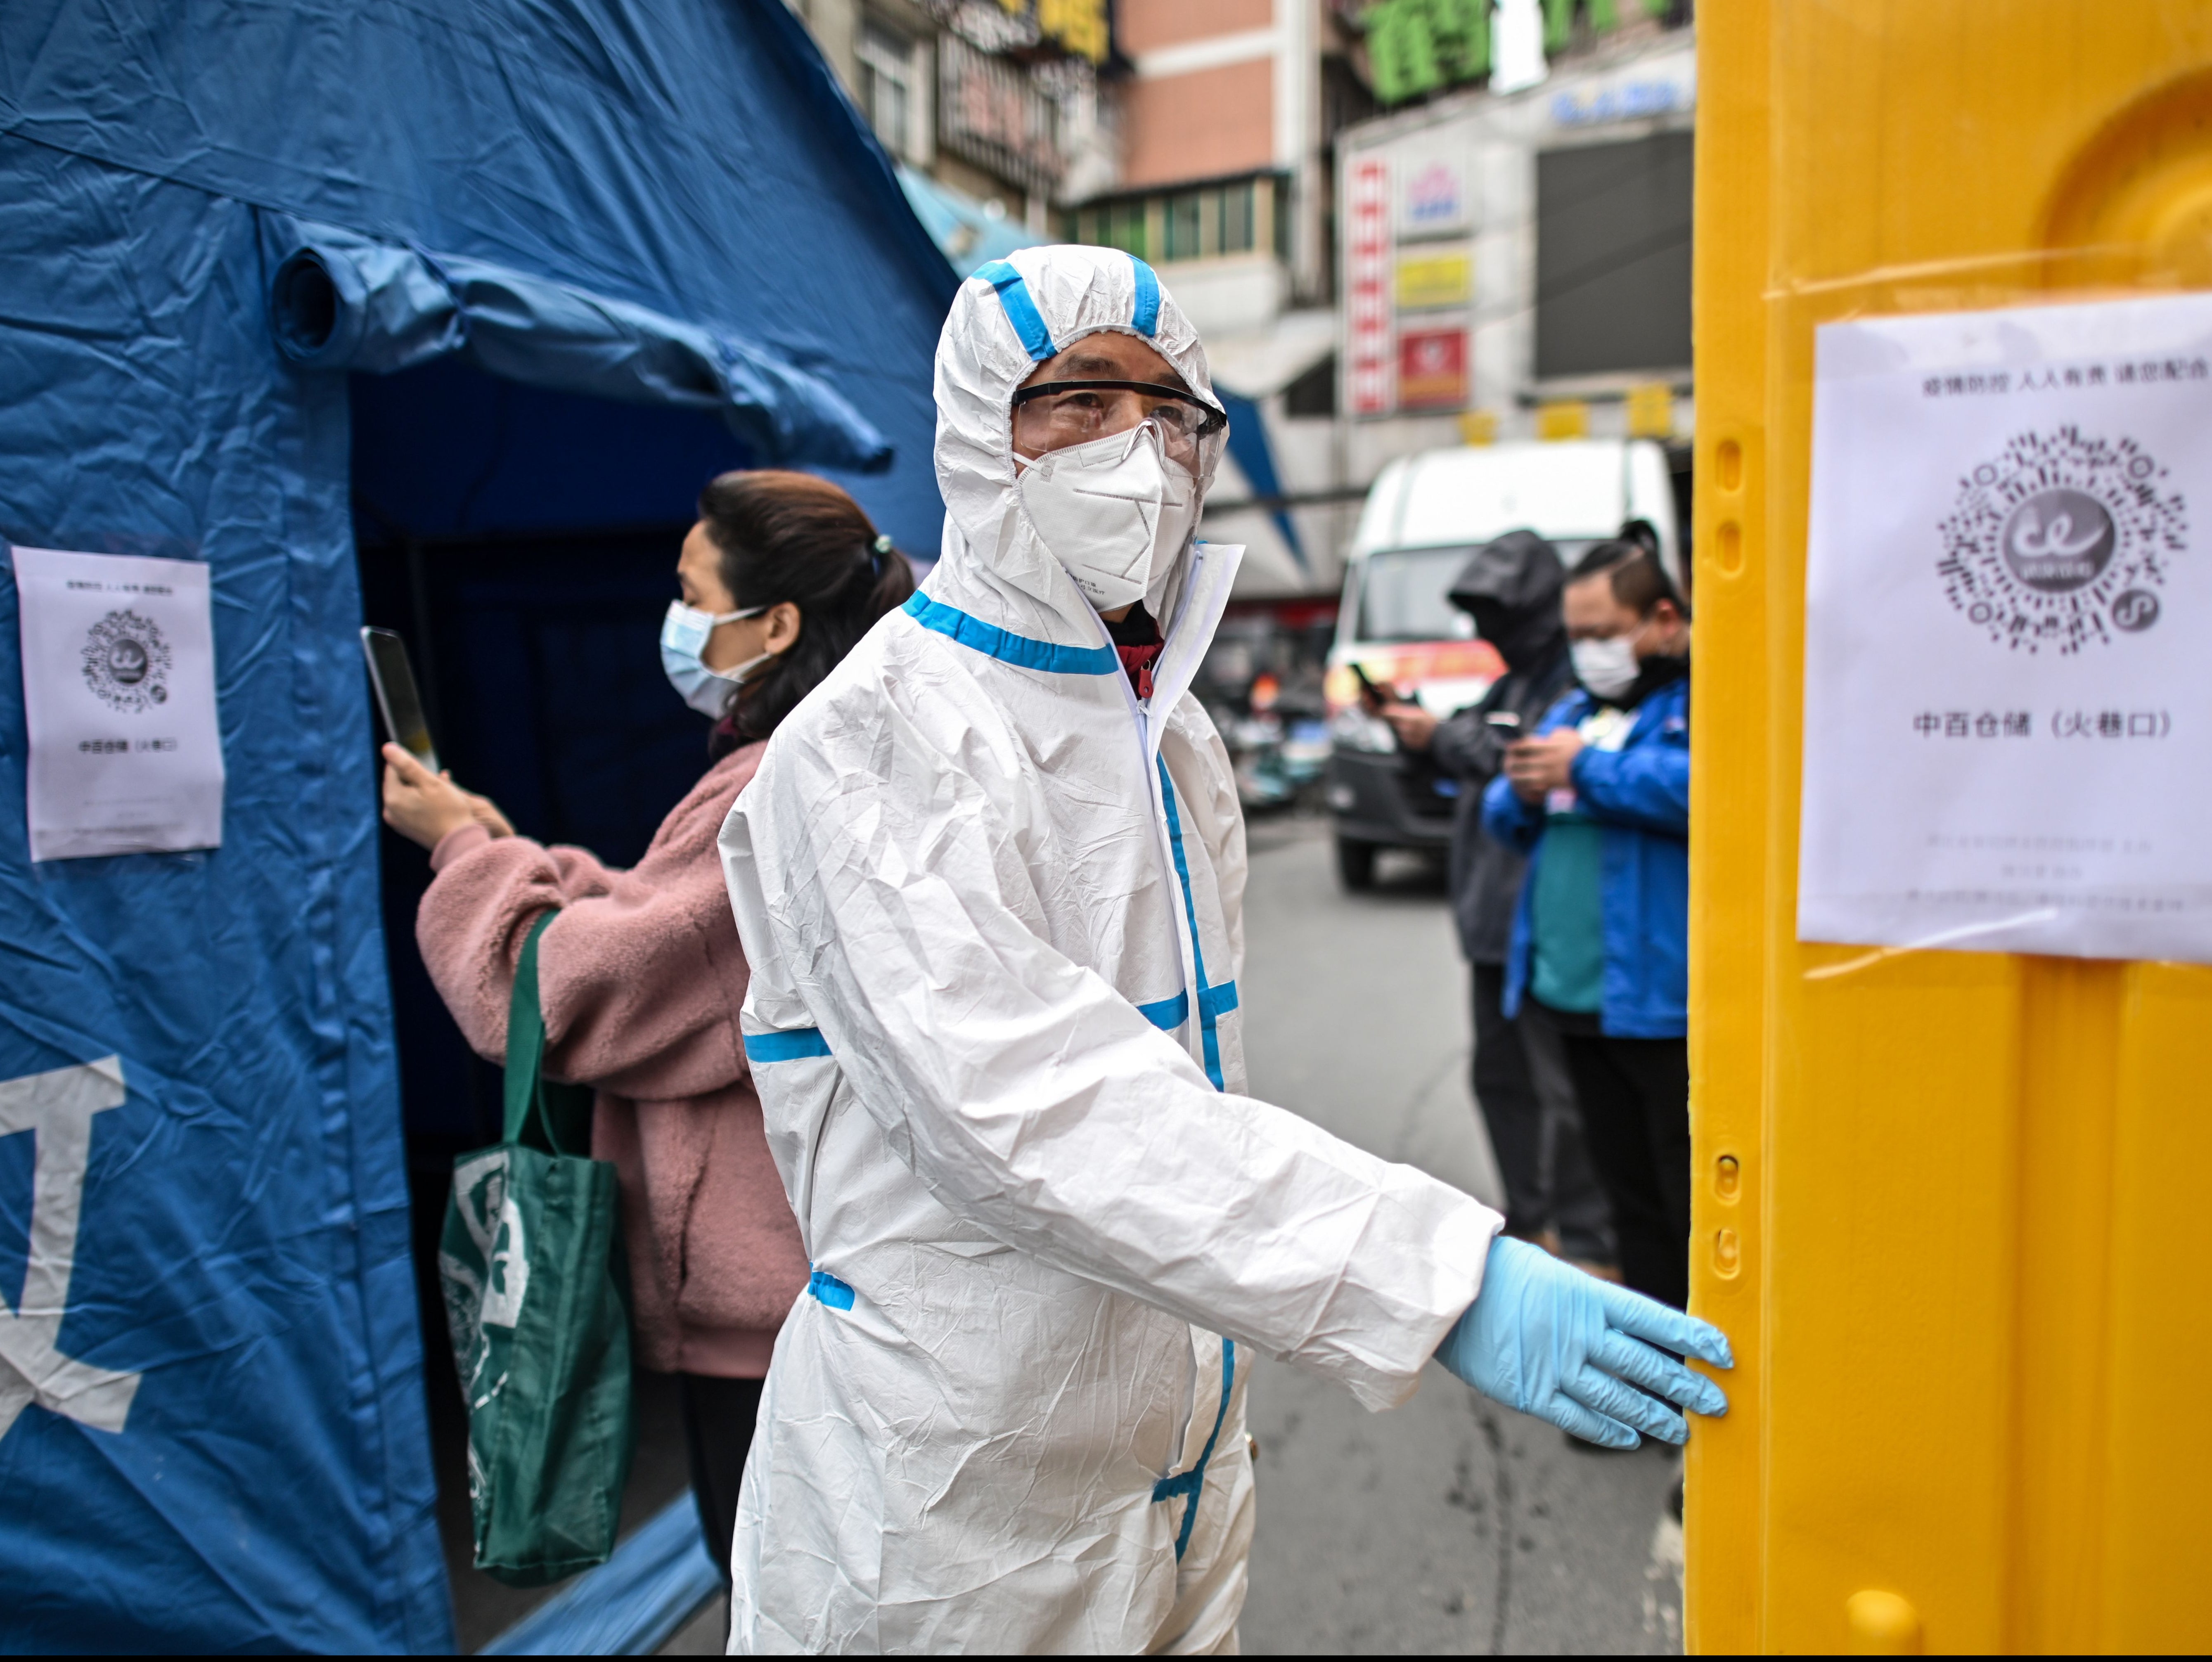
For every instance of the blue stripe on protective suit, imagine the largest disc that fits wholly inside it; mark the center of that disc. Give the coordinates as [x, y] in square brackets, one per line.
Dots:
[1207, 1009]
[1169, 1014]
[1147, 316]
[1193, 1482]
[1021, 310]
[792, 1045]
[828, 1289]
[1007, 647]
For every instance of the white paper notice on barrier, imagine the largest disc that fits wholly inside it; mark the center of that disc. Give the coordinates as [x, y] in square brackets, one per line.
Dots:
[119, 696]
[2009, 633]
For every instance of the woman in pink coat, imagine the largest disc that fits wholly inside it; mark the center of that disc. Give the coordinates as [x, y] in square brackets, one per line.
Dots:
[641, 975]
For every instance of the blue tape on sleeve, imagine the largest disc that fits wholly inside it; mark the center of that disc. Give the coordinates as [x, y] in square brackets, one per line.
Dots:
[790, 1045]
[832, 1292]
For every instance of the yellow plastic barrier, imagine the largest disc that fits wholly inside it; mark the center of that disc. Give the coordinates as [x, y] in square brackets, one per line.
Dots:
[1952, 1208]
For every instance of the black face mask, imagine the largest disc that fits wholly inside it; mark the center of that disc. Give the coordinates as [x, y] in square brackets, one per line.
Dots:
[1525, 639]
[1656, 672]
[1510, 587]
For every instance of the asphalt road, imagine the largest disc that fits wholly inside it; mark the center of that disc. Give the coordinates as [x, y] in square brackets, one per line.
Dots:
[1450, 1525]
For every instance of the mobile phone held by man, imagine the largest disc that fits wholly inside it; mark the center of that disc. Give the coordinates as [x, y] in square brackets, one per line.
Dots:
[397, 700]
[1373, 693]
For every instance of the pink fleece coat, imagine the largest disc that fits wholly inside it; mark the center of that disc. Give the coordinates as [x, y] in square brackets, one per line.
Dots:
[640, 978]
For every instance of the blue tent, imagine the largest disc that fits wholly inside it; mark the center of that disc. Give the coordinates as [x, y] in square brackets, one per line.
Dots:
[327, 296]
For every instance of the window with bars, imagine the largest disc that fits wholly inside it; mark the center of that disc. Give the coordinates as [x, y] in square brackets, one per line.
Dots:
[1114, 225]
[1183, 222]
[1235, 236]
[1185, 225]
[887, 87]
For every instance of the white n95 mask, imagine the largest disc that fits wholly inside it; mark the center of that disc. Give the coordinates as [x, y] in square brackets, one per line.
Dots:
[1115, 512]
[1608, 668]
[683, 635]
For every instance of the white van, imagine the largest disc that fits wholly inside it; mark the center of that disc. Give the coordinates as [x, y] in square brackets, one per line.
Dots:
[1424, 516]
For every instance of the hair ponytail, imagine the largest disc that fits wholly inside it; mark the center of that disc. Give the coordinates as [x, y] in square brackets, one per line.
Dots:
[792, 536]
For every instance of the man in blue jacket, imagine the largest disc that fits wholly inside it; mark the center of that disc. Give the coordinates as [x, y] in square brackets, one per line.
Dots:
[1599, 800]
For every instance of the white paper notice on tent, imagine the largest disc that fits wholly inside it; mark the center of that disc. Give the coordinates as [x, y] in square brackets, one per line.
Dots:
[2009, 633]
[119, 696]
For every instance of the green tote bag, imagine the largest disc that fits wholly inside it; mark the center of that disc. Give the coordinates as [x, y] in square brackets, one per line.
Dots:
[540, 1334]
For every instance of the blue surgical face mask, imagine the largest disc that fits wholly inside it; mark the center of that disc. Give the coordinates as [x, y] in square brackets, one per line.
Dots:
[683, 635]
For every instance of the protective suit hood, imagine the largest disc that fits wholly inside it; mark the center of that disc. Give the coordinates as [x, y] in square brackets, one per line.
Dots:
[1510, 587]
[1008, 318]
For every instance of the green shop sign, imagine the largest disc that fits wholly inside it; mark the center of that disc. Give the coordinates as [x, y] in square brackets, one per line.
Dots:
[1415, 47]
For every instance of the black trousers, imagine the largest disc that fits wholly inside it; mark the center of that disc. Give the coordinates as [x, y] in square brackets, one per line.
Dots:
[1527, 1105]
[718, 1434]
[1635, 1098]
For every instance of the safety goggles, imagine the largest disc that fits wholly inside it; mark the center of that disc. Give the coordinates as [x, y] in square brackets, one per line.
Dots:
[1054, 414]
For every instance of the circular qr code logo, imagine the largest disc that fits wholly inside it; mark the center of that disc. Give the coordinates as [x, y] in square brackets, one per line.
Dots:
[2061, 541]
[126, 662]
[2135, 611]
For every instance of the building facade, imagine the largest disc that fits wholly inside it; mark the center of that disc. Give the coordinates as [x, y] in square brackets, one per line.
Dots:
[1518, 265]
[993, 110]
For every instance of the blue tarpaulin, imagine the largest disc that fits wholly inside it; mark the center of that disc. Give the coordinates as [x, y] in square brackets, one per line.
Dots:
[220, 224]
[1256, 459]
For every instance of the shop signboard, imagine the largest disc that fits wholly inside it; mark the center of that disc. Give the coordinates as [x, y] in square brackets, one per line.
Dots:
[1432, 369]
[1434, 200]
[1427, 281]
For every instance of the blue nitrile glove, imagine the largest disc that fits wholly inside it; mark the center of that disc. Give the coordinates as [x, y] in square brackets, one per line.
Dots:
[1545, 1338]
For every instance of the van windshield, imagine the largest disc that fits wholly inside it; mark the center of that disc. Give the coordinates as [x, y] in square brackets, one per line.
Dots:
[1401, 592]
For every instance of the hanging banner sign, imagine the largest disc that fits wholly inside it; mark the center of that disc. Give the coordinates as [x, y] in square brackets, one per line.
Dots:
[119, 696]
[2008, 714]
[1367, 313]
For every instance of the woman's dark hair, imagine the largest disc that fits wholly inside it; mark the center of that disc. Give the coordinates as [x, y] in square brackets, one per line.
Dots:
[793, 536]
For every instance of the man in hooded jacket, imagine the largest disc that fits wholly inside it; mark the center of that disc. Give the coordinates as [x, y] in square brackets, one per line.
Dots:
[989, 878]
[1510, 587]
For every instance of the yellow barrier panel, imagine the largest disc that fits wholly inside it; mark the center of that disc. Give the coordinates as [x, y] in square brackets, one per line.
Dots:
[1951, 1207]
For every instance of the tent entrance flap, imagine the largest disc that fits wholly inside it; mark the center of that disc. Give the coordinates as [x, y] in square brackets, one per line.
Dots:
[341, 301]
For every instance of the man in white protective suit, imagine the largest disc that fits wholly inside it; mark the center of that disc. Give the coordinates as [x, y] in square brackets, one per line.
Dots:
[989, 879]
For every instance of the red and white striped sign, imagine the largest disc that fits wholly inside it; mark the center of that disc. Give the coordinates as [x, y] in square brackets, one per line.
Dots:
[1371, 376]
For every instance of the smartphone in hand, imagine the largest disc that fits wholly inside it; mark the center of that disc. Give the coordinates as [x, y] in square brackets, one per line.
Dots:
[1373, 695]
[401, 706]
